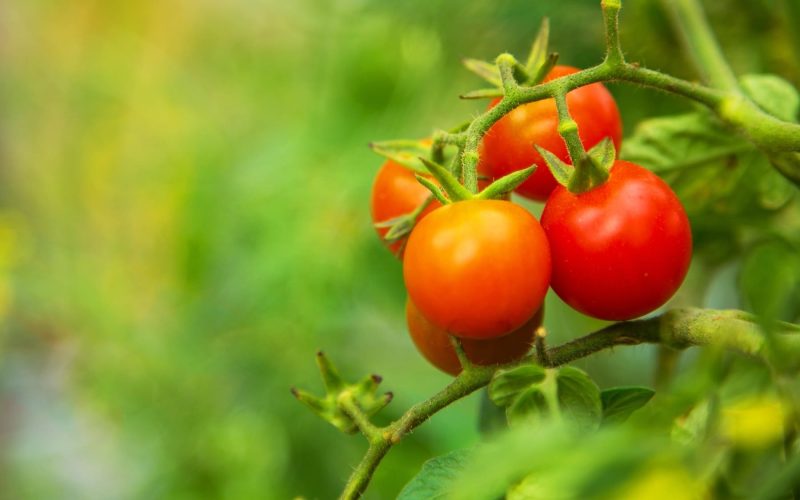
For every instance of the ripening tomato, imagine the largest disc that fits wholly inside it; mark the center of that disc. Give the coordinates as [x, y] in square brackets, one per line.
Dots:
[397, 192]
[434, 343]
[620, 250]
[478, 268]
[508, 145]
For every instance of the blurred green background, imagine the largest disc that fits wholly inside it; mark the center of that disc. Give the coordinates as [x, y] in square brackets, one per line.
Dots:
[185, 222]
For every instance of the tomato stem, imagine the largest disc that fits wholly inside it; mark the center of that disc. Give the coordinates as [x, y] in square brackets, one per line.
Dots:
[675, 329]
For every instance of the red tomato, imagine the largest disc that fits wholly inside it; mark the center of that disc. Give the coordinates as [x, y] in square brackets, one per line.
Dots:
[508, 145]
[434, 343]
[479, 268]
[397, 192]
[620, 250]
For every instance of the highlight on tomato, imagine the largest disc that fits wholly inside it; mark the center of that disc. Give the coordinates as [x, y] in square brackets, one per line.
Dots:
[509, 144]
[479, 268]
[620, 250]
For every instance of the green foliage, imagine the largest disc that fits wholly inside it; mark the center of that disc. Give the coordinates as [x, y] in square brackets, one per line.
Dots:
[620, 402]
[437, 477]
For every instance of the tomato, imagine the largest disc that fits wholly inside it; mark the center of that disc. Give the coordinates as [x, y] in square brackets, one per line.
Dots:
[478, 268]
[620, 250]
[397, 192]
[508, 145]
[434, 343]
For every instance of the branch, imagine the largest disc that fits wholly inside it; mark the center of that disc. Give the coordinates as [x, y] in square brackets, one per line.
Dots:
[678, 329]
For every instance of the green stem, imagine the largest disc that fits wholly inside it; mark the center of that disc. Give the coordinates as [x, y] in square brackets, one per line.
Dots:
[611, 10]
[677, 329]
[692, 27]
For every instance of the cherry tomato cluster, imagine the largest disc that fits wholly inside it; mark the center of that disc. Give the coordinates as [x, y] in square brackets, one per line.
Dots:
[479, 269]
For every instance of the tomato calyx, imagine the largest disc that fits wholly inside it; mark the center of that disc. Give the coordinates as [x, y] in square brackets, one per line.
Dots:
[452, 190]
[363, 394]
[589, 171]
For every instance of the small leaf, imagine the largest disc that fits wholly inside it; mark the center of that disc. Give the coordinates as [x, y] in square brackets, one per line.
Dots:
[455, 191]
[485, 70]
[620, 402]
[561, 171]
[436, 478]
[506, 184]
[578, 398]
[538, 54]
[508, 383]
[773, 94]
[530, 405]
[482, 94]
[491, 418]
[404, 152]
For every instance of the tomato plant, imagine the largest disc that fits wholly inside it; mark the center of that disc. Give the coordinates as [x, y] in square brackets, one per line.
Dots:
[396, 193]
[507, 146]
[479, 268]
[614, 243]
[435, 345]
[620, 250]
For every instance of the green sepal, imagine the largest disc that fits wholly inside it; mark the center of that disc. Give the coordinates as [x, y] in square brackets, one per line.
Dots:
[603, 155]
[538, 53]
[364, 393]
[541, 72]
[435, 190]
[482, 94]
[485, 70]
[504, 185]
[562, 172]
[399, 227]
[455, 191]
[330, 375]
[405, 152]
[593, 169]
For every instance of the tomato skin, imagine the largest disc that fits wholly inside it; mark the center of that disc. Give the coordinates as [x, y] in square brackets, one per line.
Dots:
[477, 268]
[434, 343]
[508, 145]
[397, 192]
[620, 250]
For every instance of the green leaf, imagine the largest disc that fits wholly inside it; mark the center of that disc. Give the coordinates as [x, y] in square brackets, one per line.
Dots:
[560, 170]
[485, 70]
[620, 402]
[436, 478]
[404, 152]
[507, 384]
[713, 170]
[769, 279]
[773, 94]
[538, 53]
[529, 405]
[578, 397]
[491, 418]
